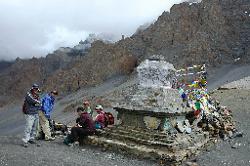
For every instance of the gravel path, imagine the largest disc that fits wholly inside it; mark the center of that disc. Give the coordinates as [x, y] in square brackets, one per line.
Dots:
[226, 74]
[243, 83]
[57, 154]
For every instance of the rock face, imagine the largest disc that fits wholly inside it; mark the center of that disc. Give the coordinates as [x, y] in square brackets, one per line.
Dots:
[4, 65]
[65, 71]
[102, 62]
[212, 32]
[18, 78]
[83, 47]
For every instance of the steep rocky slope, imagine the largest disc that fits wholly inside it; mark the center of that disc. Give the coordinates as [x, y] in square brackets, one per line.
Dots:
[4, 65]
[214, 32]
[17, 78]
[102, 61]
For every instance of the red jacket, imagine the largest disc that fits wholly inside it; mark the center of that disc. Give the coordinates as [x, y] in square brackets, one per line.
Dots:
[86, 122]
[100, 118]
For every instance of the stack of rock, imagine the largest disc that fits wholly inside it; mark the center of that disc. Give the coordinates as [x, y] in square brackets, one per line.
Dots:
[219, 123]
[157, 123]
[207, 113]
[153, 120]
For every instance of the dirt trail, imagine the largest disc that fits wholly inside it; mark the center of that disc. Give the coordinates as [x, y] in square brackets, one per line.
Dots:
[226, 74]
[57, 154]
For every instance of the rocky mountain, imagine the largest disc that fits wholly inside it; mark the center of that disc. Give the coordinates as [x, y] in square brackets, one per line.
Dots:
[66, 69]
[4, 65]
[19, 76]
[83, 47]
[102, 62]
[214, 32]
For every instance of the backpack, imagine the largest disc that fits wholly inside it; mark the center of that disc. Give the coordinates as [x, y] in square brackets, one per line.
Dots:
[109, 119]
[24, 109]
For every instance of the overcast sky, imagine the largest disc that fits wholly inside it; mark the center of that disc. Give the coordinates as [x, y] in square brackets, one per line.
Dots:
[35, 27]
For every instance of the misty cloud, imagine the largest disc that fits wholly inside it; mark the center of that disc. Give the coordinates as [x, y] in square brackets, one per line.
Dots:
[34, 28]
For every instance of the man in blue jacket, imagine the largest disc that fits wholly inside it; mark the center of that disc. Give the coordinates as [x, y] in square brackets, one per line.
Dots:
[31, 107]
[48, 102]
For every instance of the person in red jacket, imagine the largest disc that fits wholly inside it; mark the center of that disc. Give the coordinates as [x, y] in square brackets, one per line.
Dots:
[100, 117]
[84, 126]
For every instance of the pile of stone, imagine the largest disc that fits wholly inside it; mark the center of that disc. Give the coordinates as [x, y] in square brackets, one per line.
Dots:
[158, 122]
[219, 123]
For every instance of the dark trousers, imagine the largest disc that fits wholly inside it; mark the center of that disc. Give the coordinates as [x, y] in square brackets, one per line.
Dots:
[79, 133]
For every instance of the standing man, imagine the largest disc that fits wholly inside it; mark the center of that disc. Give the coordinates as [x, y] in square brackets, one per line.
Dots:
[48, 102]
[31, 107]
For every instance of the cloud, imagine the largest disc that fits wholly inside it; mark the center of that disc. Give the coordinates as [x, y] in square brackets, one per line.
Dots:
[34, 28]
[61, 36]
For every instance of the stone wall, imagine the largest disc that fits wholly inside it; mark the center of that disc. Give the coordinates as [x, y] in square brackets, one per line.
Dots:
[155, 73]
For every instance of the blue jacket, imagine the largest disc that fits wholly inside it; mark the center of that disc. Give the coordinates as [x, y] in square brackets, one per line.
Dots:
[47, 104]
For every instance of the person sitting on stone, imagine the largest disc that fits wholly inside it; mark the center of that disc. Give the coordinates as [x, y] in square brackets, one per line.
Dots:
[87, 108]
[84, 127]
[100, 117]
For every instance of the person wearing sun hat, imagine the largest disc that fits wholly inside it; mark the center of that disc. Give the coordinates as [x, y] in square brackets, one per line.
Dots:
[86, 106]
[30, 109]
[100, 117]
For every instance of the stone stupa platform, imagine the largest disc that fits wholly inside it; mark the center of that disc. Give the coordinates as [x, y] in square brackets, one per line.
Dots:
[148, 119]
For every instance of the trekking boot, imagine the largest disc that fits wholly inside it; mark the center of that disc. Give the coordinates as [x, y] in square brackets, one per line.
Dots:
[50, 138]
[31, 141]
[25, 144]
[76, 144]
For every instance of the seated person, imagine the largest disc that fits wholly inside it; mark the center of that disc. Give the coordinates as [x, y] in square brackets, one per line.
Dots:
[87, 108]
[84, 126]
[100, 117]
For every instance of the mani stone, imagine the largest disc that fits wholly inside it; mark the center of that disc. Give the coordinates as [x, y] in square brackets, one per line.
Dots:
[152, 96]
[149, 116]
[155, 72]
